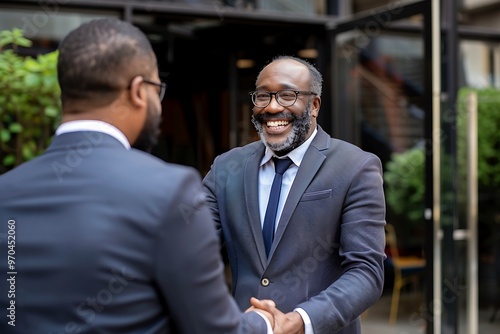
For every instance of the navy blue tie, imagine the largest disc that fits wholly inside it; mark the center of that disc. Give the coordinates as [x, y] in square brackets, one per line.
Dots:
[280, 166]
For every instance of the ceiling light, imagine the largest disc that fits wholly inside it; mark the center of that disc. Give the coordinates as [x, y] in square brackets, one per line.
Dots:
[245, 63]
[308, 53]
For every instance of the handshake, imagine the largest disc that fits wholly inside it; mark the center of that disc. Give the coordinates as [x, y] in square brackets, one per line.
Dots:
[289, 323]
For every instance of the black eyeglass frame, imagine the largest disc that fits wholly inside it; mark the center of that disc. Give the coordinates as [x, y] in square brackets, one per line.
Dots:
[277, 93]
[162, 85]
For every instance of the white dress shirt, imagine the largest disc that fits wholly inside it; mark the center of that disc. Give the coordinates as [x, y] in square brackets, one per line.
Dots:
[266, 176]
[93, 125]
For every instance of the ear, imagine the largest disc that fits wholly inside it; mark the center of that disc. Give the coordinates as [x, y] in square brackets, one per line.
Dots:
[315, 106]
[137, 93]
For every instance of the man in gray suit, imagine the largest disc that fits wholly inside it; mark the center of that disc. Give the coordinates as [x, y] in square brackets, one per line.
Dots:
[322, 262]
[98, 237]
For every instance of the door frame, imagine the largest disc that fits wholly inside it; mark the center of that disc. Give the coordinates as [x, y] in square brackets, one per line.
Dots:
[343, 124]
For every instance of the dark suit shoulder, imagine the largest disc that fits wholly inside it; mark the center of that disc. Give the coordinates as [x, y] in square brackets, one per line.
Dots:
[241, 152]
[341, 156]
[350, 155]
[154, 163]
[346, 147]
[339, 149]
[154, 176]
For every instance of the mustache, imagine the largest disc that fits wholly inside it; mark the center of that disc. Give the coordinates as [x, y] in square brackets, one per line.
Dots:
[266, 117]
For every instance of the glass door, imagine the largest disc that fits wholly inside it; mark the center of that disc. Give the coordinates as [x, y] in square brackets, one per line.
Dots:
[383, 101]
[380, 96]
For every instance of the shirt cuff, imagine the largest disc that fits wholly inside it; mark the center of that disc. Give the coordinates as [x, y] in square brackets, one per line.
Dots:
[308, 328]
[268, 324]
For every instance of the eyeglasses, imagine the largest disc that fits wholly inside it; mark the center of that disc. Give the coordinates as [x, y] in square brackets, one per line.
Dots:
[285, 98]
[162, 85]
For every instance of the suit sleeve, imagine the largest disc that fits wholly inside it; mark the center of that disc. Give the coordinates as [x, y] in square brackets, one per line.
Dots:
[189, 269]
[362, 242]
[209, 187]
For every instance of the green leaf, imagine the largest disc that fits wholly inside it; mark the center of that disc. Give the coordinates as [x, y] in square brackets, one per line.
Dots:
[32, 65]
[17, 33]
[9, 160]
[15, 128]
[21, 41]
[33, 80]
[14, 36]
[27, 152]
[18, 39]
[49, 59]
[4, 135]
[4, 40]
[50, 82]
[51, 111]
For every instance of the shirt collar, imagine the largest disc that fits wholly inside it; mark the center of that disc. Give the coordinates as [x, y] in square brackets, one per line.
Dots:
[295, 155]
[93, 125]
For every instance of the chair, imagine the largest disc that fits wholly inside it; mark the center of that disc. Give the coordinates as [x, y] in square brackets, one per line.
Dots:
[407, 269]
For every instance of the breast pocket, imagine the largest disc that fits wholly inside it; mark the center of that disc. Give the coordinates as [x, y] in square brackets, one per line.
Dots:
[316, 195]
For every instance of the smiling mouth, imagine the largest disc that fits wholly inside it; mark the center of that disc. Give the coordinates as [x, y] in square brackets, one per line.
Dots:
[272, 124]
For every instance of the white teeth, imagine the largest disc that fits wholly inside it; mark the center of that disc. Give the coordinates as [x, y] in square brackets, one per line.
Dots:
[277, 123]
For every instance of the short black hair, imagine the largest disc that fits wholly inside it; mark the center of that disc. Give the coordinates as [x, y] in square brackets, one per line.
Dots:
[100, 57]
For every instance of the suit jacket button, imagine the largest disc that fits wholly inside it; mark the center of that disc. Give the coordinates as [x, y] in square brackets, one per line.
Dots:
[265, 282]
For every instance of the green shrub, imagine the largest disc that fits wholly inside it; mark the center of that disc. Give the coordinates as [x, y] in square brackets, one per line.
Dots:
[404, 176]
[488, 141]
[405, 187]
[29, 100]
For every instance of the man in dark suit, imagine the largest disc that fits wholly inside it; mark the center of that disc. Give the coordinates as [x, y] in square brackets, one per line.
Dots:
[323, 265]
[99, 237]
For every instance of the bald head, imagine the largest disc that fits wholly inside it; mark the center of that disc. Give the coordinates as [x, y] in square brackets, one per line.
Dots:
[99, 58]
[316, 79]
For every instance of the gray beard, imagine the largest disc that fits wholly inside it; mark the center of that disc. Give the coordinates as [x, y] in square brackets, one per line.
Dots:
[298, 135]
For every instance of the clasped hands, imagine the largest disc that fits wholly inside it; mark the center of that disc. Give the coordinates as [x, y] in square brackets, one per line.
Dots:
[289, 323]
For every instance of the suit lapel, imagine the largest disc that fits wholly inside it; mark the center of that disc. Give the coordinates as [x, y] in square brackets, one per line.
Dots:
[311, 163]
[251, 192]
